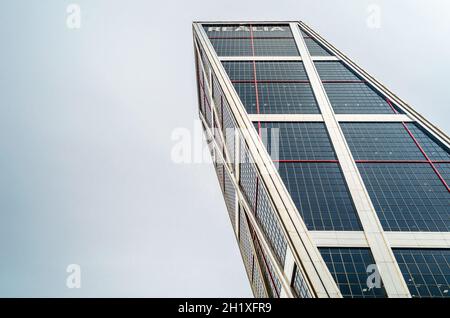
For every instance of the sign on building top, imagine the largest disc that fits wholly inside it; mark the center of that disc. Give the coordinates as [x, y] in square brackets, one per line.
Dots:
[245, 28]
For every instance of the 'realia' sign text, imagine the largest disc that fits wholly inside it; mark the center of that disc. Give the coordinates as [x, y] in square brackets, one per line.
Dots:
[243, 28]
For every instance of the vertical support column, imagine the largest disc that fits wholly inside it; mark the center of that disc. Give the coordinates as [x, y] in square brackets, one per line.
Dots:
[289, 266]
[390, 273]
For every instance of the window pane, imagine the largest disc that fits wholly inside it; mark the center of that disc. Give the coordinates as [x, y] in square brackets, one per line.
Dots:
[349, 269]
[334, 71]
[321, 195]
[380, 141]
[356, 98]
[426, 271]
[297, 141]
[315, 49]
[407, 197]
[434, 149]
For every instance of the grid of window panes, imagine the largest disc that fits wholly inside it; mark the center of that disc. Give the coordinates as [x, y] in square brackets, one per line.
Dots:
[444, 170]
[350, 269]
[426, 271]
[281, 87]
[349, 94]
[335, 71]
[248, 176]
[266, 71]
[356, 98]
[245, 243]
[380, 141]
[249, 240]
[406, 191]
[314, 47]
[407, 197]
[258, 198]
[299, 285]
[252, 40]
[258, 283]
[321, 195]
[277, 98]
[297, 141]
[265, 215]
[433, 148]
[268, 271]
[228, 129]
[230, 197]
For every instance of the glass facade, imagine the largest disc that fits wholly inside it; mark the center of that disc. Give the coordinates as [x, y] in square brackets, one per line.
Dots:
[426, 271]
[350, 267]
[301, 167]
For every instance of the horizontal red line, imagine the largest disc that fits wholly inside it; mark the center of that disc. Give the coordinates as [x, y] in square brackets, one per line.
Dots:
[270, 81]
[391, 161]
[249, 37]
[308, 161]
[361, 161]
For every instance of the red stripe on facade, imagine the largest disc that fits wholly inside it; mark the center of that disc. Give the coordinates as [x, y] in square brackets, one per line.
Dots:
[391, 161]
[248, 37]
[392, 107]
[307, 161]
[426, 157]
[271, 81]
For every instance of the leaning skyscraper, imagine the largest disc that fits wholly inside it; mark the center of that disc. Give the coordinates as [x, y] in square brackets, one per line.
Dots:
[335, 187]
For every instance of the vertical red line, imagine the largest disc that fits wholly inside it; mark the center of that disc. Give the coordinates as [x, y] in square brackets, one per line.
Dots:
[426, 157]
[255, 81]
[392, 107]
[420, 148]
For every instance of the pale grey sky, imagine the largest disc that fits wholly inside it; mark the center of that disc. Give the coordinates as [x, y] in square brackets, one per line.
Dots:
[85, 123]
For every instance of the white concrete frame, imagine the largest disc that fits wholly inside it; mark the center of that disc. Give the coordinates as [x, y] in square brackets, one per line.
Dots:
[389, 271]
[396, 239]
[307, 257]
[340, 118]
[374, 237]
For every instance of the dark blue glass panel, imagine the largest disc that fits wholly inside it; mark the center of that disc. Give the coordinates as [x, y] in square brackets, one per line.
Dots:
[349, 269]
[297, 141]
[270, 225]
[433, 148]
[356, 98]
[380, 141]
[232, 47]
[265, 71]
[407, 197]
[315, 49]
[287, 98]
[321, 195]
[278, 98]
[444, 171]
[426, 271]
[248, 175]
[334, 71]
[275, 47]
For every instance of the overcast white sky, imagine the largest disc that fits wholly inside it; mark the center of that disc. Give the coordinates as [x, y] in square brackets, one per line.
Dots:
[85, 123]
